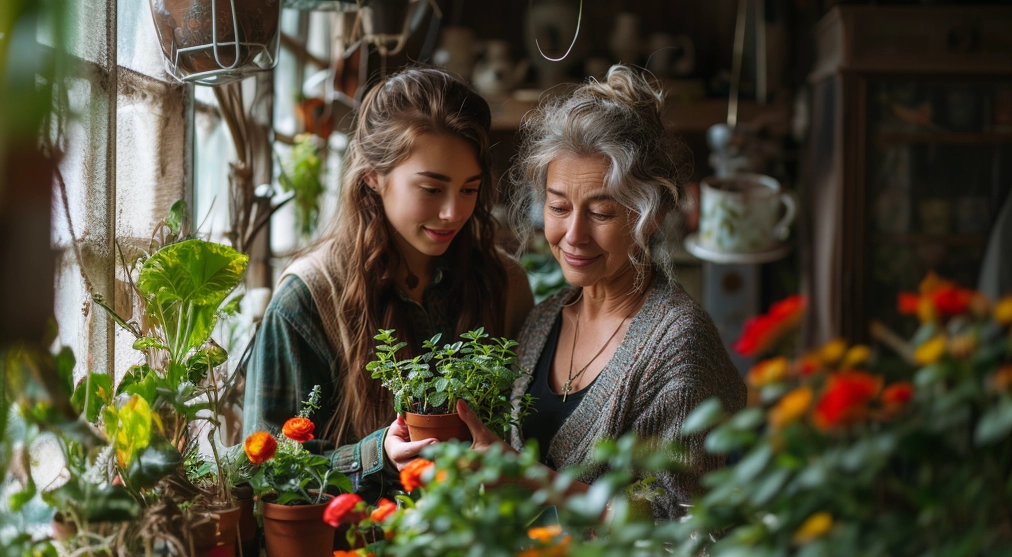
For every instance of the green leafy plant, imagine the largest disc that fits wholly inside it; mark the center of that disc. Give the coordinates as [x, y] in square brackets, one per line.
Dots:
[288, 473]
[301, 174]
[474, 370]
[500, 502]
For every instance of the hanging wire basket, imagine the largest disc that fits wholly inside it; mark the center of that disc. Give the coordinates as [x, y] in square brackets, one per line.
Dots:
[213, 42]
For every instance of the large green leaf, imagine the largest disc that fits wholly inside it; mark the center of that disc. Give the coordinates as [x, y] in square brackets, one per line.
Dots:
[106, 504]
[995, 424]
[193, 271]
[95, 390]
[155, 462]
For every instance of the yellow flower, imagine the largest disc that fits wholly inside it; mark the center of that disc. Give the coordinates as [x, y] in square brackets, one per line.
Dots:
[930, 351]
[926, 311]
[791, 407]
[857, 355]
[833, 351]
[1003, 311]
[814, 526]
[767, 371]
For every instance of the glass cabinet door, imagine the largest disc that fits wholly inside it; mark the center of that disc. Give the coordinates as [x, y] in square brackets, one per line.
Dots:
[939, 168]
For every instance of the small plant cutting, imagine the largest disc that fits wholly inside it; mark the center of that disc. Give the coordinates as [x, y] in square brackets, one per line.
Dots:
[293, 484]
[427, 387]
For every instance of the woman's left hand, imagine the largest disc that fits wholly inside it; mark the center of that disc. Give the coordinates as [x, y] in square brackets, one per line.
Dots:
[482, 437]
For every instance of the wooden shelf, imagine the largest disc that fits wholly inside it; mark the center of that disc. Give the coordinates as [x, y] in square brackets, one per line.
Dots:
[687, 117]
[895, 137]
[948, 240]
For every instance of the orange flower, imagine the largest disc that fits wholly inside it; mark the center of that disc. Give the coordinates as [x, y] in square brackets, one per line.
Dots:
[856, 355]
[385, 508]
[260, 446]
[545, 534]
[767, 371]
[1001, 381]
[833, 351]
[845, 398]
[762, 331]
[411, 475]
[791, 407]
[896, 396]
[342, 510]
[298, 429]
[931, 350]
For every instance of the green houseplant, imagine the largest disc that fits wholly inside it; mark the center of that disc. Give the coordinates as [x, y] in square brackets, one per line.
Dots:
[846, 451]
[427, 387]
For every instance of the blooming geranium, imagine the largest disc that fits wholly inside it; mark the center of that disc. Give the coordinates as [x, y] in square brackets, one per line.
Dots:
[344, 509]
[411, 475]
[936, 299]
[762, 332]
[846, 398]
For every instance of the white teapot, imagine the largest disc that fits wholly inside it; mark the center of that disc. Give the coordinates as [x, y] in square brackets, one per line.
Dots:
[496, 73]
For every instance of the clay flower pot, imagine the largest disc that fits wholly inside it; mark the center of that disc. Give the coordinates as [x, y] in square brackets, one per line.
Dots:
[217, 536]
[444, 427]
[243, 494]
[297, 530]
[183, 24]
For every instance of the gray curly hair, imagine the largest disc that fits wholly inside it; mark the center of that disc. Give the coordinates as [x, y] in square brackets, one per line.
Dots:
[619, 119]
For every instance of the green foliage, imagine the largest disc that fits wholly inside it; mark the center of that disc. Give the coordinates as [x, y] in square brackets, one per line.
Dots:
[479, 372]
[488, 504]
[302, 175]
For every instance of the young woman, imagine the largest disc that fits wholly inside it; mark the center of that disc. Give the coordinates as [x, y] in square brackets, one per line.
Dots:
[411, 249]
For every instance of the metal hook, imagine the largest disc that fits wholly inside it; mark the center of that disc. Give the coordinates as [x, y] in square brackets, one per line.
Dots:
[579, 17]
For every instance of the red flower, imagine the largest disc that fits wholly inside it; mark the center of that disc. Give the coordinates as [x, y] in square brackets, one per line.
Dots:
[298, 429]
[385, 508]
[411, 475]
[260, 446]
[896, 396]
[341, 510]
[846, 398]
[951, 300]
[762, 331]
[907, 303]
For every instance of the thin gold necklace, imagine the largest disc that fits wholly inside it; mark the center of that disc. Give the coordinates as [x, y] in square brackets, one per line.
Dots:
[567, 387]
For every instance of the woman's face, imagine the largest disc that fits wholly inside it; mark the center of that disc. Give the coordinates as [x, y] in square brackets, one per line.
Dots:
[588, 231]
[428, 197]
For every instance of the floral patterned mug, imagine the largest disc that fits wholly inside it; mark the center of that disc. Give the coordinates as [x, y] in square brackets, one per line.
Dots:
[741, 213]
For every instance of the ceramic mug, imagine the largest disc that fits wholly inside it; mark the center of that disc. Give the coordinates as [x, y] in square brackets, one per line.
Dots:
[741, 213]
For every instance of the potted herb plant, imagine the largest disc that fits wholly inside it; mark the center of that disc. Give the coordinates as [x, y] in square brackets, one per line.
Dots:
[293, 483]
[426, 388]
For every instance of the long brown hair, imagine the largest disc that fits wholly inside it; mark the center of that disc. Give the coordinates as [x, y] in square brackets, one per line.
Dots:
[392, 116]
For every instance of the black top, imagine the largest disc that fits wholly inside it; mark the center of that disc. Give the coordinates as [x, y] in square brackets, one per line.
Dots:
[549, 412]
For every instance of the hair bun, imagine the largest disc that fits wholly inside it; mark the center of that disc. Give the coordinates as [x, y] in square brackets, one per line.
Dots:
[624, 84]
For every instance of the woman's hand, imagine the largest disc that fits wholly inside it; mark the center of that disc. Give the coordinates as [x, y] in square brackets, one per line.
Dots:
[481, 437]
[398, 446]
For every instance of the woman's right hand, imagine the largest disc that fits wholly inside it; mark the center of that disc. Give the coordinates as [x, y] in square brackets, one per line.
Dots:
[398, 446]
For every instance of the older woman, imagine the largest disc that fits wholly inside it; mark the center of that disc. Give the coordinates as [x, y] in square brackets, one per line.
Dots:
[624, 348]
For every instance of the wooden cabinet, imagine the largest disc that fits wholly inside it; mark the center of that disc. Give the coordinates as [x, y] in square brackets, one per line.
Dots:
[909, 157]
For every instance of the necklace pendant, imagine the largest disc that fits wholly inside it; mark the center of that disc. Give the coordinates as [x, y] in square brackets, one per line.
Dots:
[566, 387]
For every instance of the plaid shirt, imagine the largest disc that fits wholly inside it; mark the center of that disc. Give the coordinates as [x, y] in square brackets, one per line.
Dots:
[291, 355]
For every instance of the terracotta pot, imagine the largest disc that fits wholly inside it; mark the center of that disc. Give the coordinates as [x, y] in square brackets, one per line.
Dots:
[297, 530]
[247, 520]
[184, 24]
[444, 427]
[217, 536]
[63, 529]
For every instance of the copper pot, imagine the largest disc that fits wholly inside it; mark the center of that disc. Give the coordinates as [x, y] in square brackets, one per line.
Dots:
[183, 24]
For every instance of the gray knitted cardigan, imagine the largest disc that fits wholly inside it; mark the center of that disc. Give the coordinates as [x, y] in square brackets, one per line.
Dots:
[670, 360]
